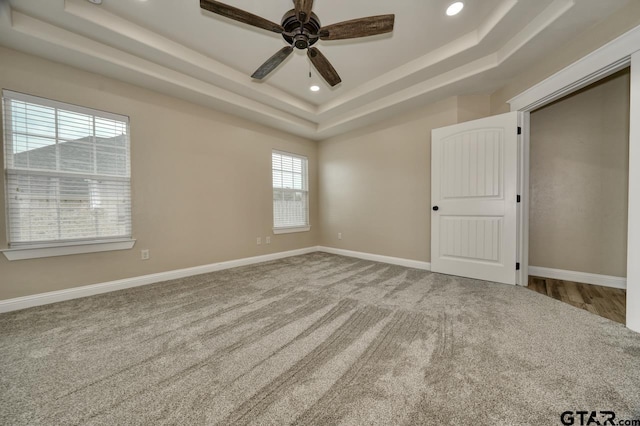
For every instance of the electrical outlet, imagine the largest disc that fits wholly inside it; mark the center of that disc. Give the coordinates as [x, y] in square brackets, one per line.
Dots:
[144, 254]
[258, 241]
[339, 235]
[267, 240]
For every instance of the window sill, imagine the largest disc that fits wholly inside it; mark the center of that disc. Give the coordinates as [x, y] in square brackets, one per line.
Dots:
[291, 230]
[64, 249]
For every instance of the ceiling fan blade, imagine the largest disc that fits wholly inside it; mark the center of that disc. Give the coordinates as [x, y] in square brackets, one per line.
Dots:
[324, 67]
[303, 10]
[355, 28]
[272, 63]
[240, 15]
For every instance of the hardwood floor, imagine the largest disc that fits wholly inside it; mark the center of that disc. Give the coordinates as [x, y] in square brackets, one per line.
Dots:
[604, 301]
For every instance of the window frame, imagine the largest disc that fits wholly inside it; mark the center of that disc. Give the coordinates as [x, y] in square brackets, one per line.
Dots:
[38, 249]
[297, 228]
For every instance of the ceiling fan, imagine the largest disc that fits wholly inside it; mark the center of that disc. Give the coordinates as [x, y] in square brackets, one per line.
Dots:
[301, 29]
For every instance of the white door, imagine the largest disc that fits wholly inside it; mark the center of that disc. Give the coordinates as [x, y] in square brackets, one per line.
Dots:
[474, 168]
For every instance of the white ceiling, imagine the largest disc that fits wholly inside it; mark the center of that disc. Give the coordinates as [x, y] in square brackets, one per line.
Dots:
[175, 47]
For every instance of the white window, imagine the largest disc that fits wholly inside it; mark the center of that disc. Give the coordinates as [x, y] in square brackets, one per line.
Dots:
[290, 192]
[67, 173]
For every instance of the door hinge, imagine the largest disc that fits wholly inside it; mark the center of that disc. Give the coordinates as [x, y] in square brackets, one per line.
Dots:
[519, 130]
[517, 266]
[517, 198]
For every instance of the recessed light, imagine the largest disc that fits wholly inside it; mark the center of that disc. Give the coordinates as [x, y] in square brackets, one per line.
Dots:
[314, 88]
[455, 8]
[95, 1]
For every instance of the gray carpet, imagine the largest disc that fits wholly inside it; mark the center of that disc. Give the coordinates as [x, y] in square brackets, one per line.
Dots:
[315, 339]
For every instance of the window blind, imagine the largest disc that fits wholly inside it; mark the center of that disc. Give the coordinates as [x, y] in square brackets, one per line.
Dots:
[67, 169]
[290, 190]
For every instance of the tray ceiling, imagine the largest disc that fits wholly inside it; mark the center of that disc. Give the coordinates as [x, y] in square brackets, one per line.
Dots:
[176, 48]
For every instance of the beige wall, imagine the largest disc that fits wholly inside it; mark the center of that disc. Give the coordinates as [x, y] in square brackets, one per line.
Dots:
[473, 107]
[375, 184]
[597, 36]
[201, 182]
[579, 180]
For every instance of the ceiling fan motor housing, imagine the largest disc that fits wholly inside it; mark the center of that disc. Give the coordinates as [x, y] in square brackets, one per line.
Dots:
[303, 33]
[299, 35]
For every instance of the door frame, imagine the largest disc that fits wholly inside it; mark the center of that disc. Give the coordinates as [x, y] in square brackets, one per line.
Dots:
[608, 59]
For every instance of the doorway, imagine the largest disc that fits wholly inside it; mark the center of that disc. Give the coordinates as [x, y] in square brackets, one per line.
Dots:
[603, 62]
[578, 195]
[610, 58]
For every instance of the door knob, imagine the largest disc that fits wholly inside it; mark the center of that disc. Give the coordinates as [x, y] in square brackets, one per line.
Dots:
[436, 208]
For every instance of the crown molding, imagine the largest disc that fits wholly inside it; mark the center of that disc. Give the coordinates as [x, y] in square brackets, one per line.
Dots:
[227, 89]
[466, 42]
[80, 44]
[551, 14]
[225, 75]
[597, 65]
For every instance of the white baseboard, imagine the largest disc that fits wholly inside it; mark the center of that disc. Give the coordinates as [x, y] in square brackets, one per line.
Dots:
[90, 290]
[579, 277]
[416, 264]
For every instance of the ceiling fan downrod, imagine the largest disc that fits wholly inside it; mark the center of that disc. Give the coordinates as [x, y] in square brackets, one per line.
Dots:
[301, 29]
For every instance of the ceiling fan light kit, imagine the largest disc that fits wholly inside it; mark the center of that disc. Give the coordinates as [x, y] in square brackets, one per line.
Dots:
[301, 29]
